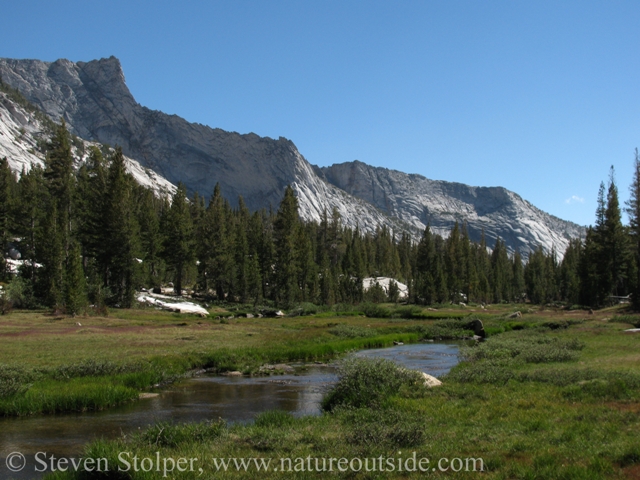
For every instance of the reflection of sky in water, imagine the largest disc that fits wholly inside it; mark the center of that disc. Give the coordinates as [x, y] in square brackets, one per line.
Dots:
[236, 399]
[435, 359]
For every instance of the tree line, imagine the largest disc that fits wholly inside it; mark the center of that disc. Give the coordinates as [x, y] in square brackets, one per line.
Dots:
[93, 235]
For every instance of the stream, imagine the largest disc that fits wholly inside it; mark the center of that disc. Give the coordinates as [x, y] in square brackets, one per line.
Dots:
[235, 399]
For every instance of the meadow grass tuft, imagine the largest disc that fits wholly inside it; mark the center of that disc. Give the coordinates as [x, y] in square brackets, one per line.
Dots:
[368, 382]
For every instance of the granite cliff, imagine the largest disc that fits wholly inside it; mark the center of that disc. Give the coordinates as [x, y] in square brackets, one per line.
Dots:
[95, 102]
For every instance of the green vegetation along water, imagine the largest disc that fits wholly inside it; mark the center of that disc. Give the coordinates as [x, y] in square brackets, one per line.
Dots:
[207, 397]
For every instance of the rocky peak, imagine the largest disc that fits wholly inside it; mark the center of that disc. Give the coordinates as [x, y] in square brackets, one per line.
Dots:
[97, 106]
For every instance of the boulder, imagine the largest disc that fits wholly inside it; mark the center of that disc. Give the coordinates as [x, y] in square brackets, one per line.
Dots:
[515, 315]
[430, 381]
[477, 327]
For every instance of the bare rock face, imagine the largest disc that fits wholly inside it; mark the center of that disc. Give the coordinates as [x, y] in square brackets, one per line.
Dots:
[22, 132]
[95, 102]
[419, 202]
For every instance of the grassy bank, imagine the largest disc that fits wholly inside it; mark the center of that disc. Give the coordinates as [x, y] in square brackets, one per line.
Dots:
[56, 364]
[555, 395]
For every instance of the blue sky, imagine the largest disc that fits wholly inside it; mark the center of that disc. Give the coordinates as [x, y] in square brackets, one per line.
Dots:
[540, 97]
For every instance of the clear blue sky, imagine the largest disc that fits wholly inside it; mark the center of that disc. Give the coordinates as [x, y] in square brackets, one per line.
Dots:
[540, 97]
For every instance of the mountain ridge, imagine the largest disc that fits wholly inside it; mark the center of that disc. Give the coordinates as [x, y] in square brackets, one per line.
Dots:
[97, 105]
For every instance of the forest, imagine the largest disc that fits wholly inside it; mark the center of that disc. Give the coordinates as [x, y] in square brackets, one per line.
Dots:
[91, 237]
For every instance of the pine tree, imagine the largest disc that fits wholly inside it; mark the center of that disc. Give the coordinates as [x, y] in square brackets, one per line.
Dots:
[50, 253]
[615, 243]
[569, 274]
[425, 267]
[179, 241]
[30, 217]
[633, 210]
[90, 196]
[61, 181]
[501, 273]
[151, 239]
[519, 286]
[75, 295]
[118, 256]
[285, 235]
[6, 206]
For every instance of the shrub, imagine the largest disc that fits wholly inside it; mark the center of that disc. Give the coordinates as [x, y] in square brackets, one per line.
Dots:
[14, 380]
[630, 319]
[306, 309]
[374, 310]
[528, 346]
[93, 368]
[365, 382]
[494, 372]
[352, 331]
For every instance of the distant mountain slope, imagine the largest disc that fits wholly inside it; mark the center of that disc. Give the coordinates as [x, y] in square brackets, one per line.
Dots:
[419, 201]
[22, 132]
[97, 105]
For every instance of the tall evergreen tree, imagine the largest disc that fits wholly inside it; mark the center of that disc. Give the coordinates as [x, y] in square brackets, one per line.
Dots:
[118, 256]
[30, 217]
[75, 295]
[615, 242]
[6, 206]
[61, 180]
[179, 241]
[285, 236]
[633, 210]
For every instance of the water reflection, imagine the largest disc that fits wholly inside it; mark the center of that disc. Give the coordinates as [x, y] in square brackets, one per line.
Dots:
[236, 399]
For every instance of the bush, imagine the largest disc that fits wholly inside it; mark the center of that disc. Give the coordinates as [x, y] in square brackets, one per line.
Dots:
[20, 293]
[374, 310]
[444, 329]
[493, 372]
[93, 368]
[352, 331]
[529, 347]
[305, 309]
[14, 380]
[366, 382]
[630, 319]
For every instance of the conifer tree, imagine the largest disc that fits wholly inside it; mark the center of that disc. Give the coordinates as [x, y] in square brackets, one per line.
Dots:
[50, 253]
[633, 210]
[519, 286]
[151, 239]
[118, 256]
[285, 236]
[425, 268]
[615, 242]
[30, 217]
[61, 181]
[483, 270]
[75, 295]
[179, 241]
[6, 205]
[502, 274]
[569, 273]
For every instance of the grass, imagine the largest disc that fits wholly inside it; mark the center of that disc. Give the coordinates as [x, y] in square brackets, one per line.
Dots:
[50, 364]
[554, 394]
[535, 401]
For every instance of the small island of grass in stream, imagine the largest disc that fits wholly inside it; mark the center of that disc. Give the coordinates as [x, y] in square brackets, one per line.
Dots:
[549, 394]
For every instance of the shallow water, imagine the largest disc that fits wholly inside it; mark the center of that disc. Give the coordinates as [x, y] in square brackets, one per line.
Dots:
[235, 399]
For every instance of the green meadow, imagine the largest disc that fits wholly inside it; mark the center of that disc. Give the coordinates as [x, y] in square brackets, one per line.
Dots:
[551, 394]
